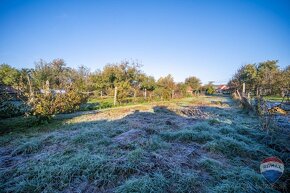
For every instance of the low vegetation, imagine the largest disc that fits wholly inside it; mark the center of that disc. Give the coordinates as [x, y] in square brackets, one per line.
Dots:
[154, 147]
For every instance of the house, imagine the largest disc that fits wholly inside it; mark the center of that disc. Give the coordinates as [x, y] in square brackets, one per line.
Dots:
[222, 89]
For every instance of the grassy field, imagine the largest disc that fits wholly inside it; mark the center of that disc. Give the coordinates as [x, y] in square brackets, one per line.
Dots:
[204, 144]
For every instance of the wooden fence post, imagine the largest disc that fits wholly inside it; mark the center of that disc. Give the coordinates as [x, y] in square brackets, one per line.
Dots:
[115, 96]
[145, 93]
[239, 94]
[31, 91]
[244, 90]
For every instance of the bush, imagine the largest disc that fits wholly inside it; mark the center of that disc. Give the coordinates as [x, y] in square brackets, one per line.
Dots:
[163, 93]
[104, 105]
[10, 108]
[123, 91]
[89, 106]
[45, 106]
[210, 90]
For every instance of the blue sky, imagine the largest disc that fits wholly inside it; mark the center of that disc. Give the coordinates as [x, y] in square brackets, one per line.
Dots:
[207, 39]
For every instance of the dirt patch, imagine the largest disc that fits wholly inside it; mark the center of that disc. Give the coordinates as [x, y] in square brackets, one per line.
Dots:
[195, 112]
[129, 136]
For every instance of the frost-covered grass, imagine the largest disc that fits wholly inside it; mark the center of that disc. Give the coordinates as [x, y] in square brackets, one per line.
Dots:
[161, 150]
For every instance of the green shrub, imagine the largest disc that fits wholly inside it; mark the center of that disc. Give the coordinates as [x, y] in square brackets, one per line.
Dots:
[10, 108]
[89, 106]
[46, 105]
[162, 93]
[123, 91]
[104, 105]
[210, 90]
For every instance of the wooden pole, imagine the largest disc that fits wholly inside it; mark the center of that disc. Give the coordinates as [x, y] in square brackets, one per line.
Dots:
[244, 89]
[115, 96]
[145, 93]
[239, 94]
[31, 92]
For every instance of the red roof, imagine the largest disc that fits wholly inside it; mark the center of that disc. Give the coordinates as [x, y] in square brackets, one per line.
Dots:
[223, 87]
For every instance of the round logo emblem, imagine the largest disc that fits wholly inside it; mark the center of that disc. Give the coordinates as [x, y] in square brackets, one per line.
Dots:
[272, 169]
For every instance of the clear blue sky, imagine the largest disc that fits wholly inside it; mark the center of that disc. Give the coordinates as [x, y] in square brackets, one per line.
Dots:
[207, 39]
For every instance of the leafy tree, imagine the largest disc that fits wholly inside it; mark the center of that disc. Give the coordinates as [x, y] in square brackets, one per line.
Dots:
[282, 83]
[124, 90]
[81, 78]
[111, 75]
[9, 75]
[267, 73]
[98, 83]
[55, 72]
[209, 88]
[193, 82]
[23, 84]
[265, 78]
[181, 90]
[165, 87]
[148, 83]
[245, 74]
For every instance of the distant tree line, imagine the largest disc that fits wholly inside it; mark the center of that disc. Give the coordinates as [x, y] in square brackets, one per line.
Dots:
[264, 78]
[39, 85]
